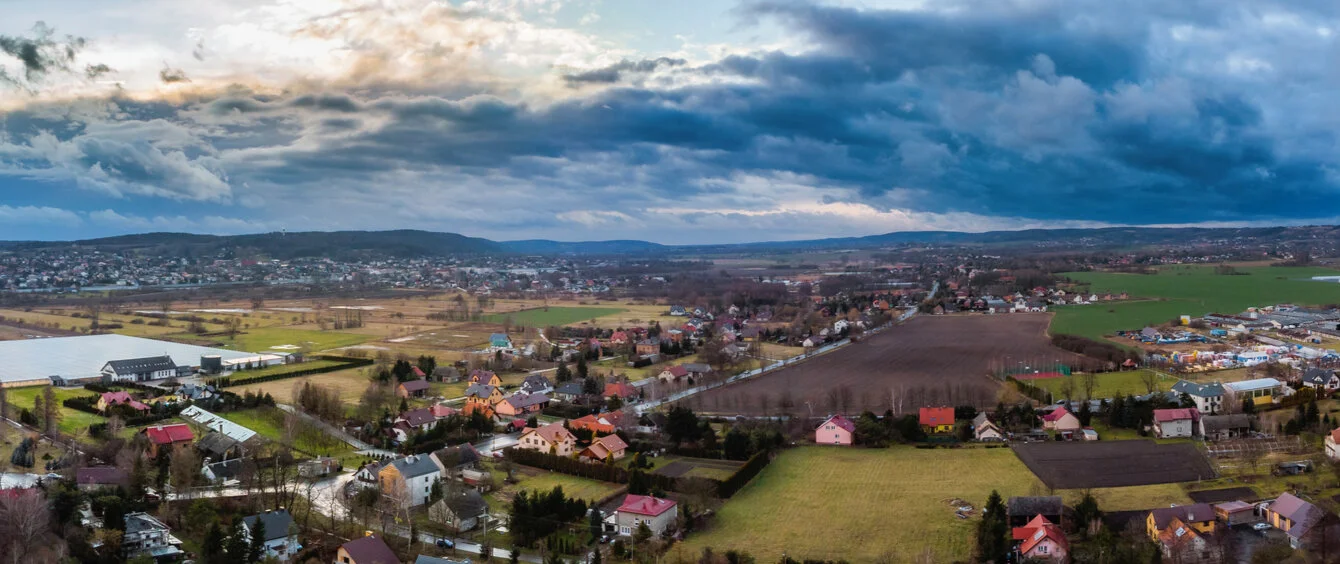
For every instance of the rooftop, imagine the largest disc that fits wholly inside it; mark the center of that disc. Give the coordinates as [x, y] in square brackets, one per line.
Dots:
[84, 356]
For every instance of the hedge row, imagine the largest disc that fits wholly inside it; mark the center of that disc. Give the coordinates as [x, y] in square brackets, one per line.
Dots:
[607, 473]
[84, 404]
[756, 464]
[348, 362]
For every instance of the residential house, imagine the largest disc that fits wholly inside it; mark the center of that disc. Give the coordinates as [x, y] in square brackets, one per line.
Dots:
[598, 425]
[482, 397]
[1209, 398]
[608, 447]
[442, 411]
[412, 388]
[521, 403]
[368, 473]
[281, 536]
[1060, 419]
[146, 535]
[369, 549]
[195, 392]
[411, 478]
[1321, 379]
[812, 341]
[1180, 422]
[1303, 522]
[500, 341]
[318, 467]
[1333, 444]
[648, 347]
[109, 399]
[217, 446]
[1199, 517]
[537, 384]
[659, 514]
[420, 419]
[697, 369]
[1182, 542]
[488, 377]
[837, 430]
[553, 438]
[452, 460]
[1041, 540]
[621, 390]
[223, 471]
[673, 374]
[139, 369]
[986, 431]
[937, 420]
[1224, 427]
[569, 391]
[459, 511]
[101, 477]
[1022, 509]
[167, 436]
[619, 338]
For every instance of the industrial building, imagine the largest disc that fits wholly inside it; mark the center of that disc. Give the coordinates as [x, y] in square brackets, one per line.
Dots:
[81, 359]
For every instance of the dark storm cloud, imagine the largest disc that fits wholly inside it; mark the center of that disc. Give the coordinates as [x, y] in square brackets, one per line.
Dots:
[38, 55]
[613, 73]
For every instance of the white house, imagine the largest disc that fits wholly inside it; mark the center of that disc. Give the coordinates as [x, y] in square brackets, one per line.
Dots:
[139, 369]
[412, 476]
[1333, 445]
[1321, 379]
[1170, 423]
[1209, 397]
[281, 537]
[659, 514]
[145, 534]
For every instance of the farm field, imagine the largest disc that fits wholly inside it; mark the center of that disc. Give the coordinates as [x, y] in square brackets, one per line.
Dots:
[1105, 464]
[856, 494]
[265, 339]
[552, 315]
[350, 382]
[1188, 290]
[929, 360]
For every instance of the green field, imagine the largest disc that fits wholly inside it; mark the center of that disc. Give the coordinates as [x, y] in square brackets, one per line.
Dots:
[263, 339]
[268, 422]
[1108, 385]
[1188, 290]
[544, 317]
[286, 368]
[72, 422]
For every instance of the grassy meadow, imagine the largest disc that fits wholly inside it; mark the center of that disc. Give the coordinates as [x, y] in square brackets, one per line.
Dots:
[72, 422]
[1188, 290]
[553, 315]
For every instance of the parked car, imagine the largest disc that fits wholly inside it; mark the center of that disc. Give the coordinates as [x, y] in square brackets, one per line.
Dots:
[1262, 527]
[445, 543]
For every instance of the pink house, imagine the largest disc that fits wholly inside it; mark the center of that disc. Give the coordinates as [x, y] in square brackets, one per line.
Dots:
[1041, 541]
[838, 430]
[1060, 420]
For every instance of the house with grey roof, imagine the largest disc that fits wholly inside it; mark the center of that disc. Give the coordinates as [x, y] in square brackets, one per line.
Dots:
[1302, 522]
[460, 511]
[281, 535]
[1321, 379]
[146, 535]
[1022, 509]
[139, 369]
[1209, 397]
[412, 476]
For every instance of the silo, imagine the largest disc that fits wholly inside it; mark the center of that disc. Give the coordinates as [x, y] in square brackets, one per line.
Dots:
[211, 364]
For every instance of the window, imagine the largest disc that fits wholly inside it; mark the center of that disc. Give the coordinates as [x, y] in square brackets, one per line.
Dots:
[1042, 548]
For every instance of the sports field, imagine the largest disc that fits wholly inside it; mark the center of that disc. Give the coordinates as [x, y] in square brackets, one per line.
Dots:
[544, 317]
[1188, 290]
[854, 495]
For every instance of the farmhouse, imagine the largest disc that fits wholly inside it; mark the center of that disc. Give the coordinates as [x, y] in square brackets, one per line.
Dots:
[673, 373]
[1060, 419]
[936, 420]
[837, 430]
[139, 369]
[1224, 427]
[281, 542]
[608, 447]
[1209, 397]
[1301, 521]
[412, 388]
[1041, 540]
[659, 514]
[72, 360]
[1170, 423]
[411, 478]
[552, 439]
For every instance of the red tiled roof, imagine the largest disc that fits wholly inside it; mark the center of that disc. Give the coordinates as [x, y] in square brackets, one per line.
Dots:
[137, 405]
[1166, 415]
[620, 389]
[113, 398]
[418, 371]
[1056, 414]
[168, 434]
[677, 371]
[440, 410]
[645, 505]
[1036, 531]
[937, 416]
[842, 422]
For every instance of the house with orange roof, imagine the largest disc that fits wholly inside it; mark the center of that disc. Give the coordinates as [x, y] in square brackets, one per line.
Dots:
[597, 425]
[621, 390]
[1041, 541]
[936, 420]
[553, 438]
[608, 447]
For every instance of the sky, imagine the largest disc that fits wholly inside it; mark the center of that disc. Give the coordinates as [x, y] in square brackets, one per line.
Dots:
[694, 121]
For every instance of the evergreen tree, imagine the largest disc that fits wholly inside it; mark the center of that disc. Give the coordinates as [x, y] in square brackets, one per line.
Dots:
[212, 549]
[562, 374]
[257, 548]
[581, 366]
[238, 545]
[514, 555]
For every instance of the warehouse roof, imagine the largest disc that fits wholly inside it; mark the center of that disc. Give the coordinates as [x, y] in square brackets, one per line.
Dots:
[84, 356]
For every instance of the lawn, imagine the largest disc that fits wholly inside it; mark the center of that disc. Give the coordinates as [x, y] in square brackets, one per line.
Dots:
[72, 422]
[545, 317]
[265, 339]
[286, 368]
[1109, 384]
[573, 486]
[1188, 290]
[268, 422]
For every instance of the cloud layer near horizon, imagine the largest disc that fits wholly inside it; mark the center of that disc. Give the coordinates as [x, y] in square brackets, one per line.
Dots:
[494, 119]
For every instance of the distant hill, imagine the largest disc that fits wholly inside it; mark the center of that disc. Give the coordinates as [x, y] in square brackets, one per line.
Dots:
[413, 243]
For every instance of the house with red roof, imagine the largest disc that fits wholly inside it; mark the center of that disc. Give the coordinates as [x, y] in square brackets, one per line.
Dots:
[619, 338]
[608, 447]
[936, 420]
[597, 425]
[1333, 444]
[659, 514]
[167, 436]
[1180, 422]
[417, 372]
[621, 390]
[837, 430]
[673, 373]
[1060, 419]
[1041, 541]
[109, 399]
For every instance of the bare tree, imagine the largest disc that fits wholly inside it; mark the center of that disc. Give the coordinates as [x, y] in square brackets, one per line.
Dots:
[1089, 381]
[1150, 380]
[184, 469]
[25, 528]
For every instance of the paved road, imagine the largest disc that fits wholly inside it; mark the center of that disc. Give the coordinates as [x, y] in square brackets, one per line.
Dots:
[487, 446]
[360, 446]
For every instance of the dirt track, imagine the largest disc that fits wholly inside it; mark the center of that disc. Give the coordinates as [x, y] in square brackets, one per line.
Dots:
[925, 362]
